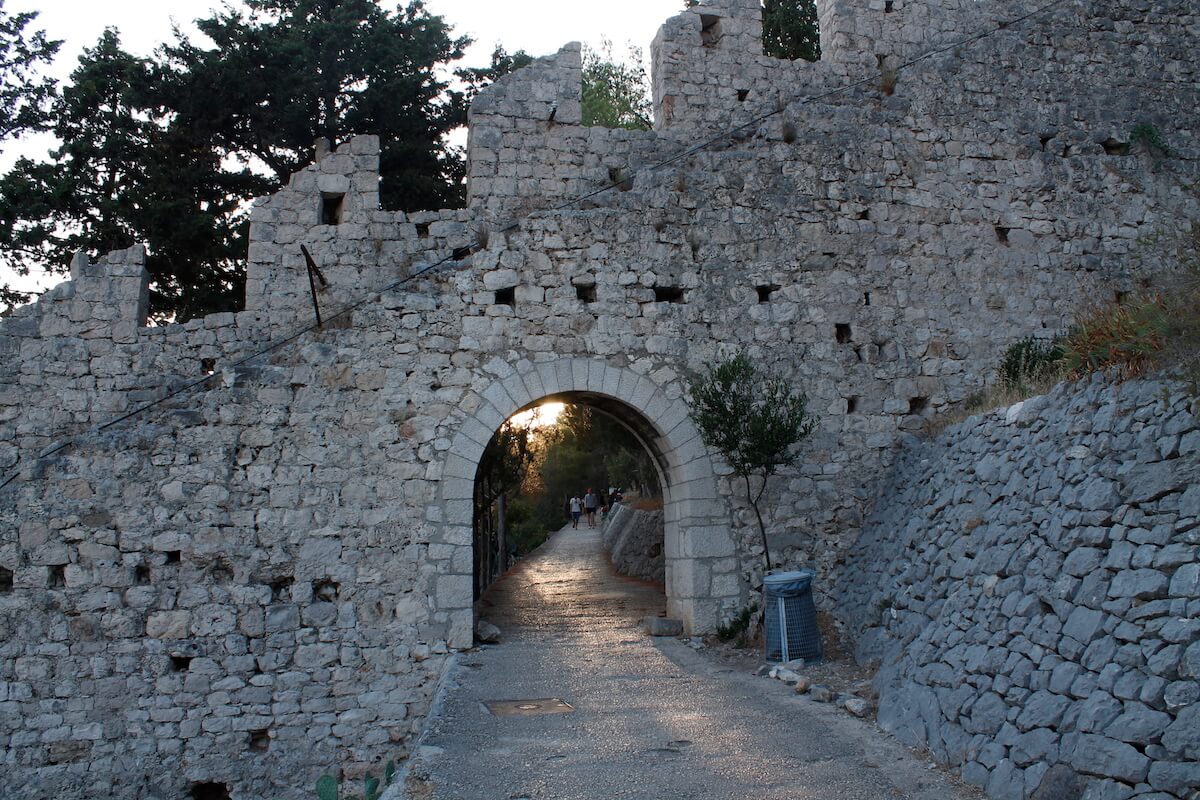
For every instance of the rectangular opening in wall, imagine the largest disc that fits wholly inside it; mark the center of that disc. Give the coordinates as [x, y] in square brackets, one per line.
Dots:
[422, 229]
[841, 332]
[586, 292]
[506, 297]
[918, 405]
[851, 405]
[281, 590]
[866, 298]
[1002, 234]
[209, 790]
[181, 663]
[259, 741]
[57, 577]
[141, 574]
[668, 294]
[889, 6]
[331, 208]
[1114, 147]
[174, 556]
[207, 366]
[742, 94]
[710, 29]
[765, 291]
[6, 580]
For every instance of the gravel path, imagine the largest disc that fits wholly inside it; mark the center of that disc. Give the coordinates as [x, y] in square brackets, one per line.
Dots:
[653, 719]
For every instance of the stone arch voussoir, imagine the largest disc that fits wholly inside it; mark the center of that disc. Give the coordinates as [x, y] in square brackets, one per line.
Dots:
[702, 567]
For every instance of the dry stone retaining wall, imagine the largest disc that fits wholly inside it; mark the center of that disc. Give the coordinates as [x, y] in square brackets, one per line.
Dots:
[634, 541]
[1030, 584]
[258, 580]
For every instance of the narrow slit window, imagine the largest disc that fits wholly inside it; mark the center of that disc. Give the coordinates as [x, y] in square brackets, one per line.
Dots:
[668, 294]
[889, 6]
[6, 580]
[331, 208]
[866, 298]
[851, 405]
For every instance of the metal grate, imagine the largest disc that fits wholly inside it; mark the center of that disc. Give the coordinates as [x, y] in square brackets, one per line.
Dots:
[790, 617]
[529, 708]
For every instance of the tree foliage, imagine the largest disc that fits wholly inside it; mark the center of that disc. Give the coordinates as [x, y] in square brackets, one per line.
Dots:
[753, 419]
[168, 150]
[790, 30]
[615, 94]
[24, 95]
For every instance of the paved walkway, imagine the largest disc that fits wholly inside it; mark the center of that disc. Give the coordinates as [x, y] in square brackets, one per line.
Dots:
[653, 720]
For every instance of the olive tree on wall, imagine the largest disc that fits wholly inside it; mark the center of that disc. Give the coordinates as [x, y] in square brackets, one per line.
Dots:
[753, 419]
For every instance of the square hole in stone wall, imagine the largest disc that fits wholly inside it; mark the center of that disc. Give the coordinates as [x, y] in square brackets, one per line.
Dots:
[841, 332]
[742, 94]
[208, 366]
[173, 556]
[57, 576]
[506, 297]
[765, 291]
[6, 580]
[918, 405]
[710, 29]
[422, 229]
[668, 294]
[586, 292]
[259, 741]
[209, 790]
[331, 208]
[181, 663]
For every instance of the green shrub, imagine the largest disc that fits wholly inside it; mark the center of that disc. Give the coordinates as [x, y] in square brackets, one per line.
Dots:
[737, 626]
[1030, 362]
[1121, 337]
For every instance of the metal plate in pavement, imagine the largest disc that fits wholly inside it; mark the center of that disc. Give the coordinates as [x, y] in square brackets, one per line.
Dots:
[529, 708]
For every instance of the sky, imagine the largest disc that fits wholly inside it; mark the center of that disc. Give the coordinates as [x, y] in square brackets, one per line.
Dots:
[539, 27]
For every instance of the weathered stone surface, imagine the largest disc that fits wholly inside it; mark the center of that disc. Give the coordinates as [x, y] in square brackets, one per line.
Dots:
[663, 626]
[310, 511]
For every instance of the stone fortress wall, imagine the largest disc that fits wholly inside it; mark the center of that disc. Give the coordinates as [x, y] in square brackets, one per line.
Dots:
[1030, 584]
[259, 580]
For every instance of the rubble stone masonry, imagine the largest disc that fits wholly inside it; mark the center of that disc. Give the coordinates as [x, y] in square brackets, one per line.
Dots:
[260, 579]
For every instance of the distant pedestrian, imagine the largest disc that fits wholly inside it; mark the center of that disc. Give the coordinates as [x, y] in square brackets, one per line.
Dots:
[576, 510]
[590, 501]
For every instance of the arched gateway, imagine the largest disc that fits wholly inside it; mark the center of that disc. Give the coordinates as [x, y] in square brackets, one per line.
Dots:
[701, 566]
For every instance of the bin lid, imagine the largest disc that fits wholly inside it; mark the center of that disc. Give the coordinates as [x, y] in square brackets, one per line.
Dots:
[778, 578]
[788, 584]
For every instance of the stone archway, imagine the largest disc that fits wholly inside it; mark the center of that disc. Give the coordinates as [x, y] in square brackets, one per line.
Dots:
[701, 564]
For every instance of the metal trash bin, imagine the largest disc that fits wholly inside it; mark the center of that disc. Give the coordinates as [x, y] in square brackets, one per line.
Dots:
[790, 617]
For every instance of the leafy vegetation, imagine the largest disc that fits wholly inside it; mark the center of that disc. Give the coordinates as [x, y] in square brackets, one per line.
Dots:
[24, 95]
[1030, 363]
[790, 29]
[737, 628]
[615, 94]
[167, 150]
[529, 472]
[753, 419]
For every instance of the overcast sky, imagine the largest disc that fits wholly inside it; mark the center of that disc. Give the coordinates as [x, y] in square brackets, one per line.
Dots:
[539, 27]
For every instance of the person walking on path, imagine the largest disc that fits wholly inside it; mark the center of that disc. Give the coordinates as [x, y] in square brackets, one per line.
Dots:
[590, 503]
[576, 510]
